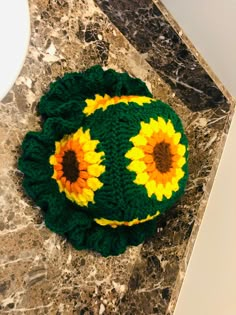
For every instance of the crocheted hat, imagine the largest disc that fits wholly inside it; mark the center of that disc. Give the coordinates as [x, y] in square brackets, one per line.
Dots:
[108, 161]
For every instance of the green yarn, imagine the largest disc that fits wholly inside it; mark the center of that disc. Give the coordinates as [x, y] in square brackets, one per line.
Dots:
[119, 198]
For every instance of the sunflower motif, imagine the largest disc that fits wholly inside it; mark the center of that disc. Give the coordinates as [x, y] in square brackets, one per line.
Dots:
[108, 161]
[77, 167]
[102, 102]
[157, 157]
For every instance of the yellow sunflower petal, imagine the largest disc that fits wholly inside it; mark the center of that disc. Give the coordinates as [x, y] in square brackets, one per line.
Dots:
[179, 173]
[137, 166]
[134, 154]
[69, 195]
[138, 140]
[93, 157]
[122, 100]
[181, 149]
[170, 129]
[52, 160]
[77, 134]
[94, 183]
[168, 190]
[176, 138]
[162, 124]
[96, 169]
[181, 162]
[90, 102]
[175, 186]
[61, 188]
[54, 174]
[107, 97]
[140, 100]
[98, 97]
[88, 194]
[141, 178]
[85, 137]
[58, 147]
[154, 125]
[91, 105]
[146, 129]
[174, 181]
[90, 145]
[80, 199]
[64, 140]
[159, 192]
[151, 187]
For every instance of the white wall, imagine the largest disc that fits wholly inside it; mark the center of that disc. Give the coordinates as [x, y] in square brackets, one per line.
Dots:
[211, 26]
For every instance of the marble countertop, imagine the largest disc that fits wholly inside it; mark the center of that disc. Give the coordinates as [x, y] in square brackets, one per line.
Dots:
[40, 272]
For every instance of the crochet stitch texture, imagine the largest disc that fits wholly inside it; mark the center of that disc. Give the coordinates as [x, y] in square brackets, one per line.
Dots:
[108, 160]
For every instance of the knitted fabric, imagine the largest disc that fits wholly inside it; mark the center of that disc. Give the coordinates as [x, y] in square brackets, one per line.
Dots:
[109, 160]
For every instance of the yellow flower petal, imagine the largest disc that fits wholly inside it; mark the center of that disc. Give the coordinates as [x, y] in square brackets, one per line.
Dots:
[146, 129]
[79, 199]
[90, 145]
[170, 129]
[94, 183]
[54, 174]
[151, 187]
[168, 190]
[175, 186]
[88, 194]
[138, 140]
[58, 147]
[106, 97]
[154, 125]
[162, 124]
[96, 170]
[52, 160]
[90, 102]
[137, 166]
[69, 195]
[140, 100]
[98, 97]
[64, 140]
[159, 192]
[85, 137]
[179, 173]
[141, 179]
[93, 157]
[181, 162]
[77, 134]
[122, 101]
[174, 181]
[181, 149]
[176, 138]
[90, 108]
[134, 154]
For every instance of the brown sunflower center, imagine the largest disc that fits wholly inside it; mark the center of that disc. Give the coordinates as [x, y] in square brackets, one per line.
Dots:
[70, 166]
[162, 156]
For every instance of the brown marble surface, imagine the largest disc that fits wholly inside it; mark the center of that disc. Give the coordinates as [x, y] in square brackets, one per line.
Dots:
[40, 273]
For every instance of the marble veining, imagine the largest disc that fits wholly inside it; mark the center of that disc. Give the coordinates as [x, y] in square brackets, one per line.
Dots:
[40, 273]
[147, 29]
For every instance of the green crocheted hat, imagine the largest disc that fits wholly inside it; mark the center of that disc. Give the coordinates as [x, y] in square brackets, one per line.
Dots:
[108, 161]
